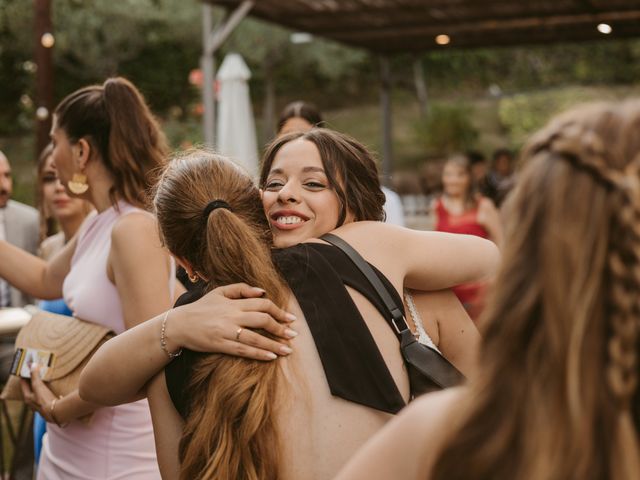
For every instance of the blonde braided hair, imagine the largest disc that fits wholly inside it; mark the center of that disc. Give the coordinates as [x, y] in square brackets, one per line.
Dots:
[565, 316]
[585, 150]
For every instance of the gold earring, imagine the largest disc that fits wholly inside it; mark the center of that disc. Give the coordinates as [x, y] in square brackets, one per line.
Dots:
[193, 278]
[78, 184]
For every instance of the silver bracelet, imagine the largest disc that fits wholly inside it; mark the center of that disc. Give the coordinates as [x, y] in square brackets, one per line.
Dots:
[163, 339]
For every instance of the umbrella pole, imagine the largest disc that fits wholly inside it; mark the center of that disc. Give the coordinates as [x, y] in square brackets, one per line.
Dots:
[208, 70]
[385, 107]
[212, 39]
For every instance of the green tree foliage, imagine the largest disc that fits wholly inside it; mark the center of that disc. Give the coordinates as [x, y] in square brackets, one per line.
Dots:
[157, 42]
[447, 129]
[522, 115]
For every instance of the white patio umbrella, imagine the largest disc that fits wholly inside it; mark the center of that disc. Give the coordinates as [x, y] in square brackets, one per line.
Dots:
[236, 130]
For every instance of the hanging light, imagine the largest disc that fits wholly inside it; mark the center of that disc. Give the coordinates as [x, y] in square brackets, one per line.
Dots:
[604, 28]
[443, 39]
[42, 113]
[47, 40]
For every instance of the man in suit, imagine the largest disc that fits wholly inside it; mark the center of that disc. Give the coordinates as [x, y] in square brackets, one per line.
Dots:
[19, 225]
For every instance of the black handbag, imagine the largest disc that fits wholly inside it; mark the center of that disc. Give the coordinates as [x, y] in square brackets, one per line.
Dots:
[428, 370]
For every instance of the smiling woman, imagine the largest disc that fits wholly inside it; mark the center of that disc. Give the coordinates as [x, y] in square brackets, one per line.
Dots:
[305, 179]
[297, 196]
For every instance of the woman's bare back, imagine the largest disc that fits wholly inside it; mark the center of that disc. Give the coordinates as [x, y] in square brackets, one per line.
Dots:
[320, 432]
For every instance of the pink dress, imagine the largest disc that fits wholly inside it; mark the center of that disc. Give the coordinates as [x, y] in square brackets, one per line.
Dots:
[118, 442]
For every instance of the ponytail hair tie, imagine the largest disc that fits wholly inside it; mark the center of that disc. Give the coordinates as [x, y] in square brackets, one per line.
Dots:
[211, 206]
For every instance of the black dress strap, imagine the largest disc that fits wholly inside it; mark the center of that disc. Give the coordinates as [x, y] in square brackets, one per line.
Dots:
[354, 367]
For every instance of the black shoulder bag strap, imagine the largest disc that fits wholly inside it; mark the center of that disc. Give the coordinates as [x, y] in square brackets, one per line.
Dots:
[428, 361]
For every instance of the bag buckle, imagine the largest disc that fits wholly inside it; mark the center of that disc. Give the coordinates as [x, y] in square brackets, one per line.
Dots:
[398, 321]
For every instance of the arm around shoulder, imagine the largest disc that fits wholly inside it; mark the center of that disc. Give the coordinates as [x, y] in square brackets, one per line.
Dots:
[426, 260]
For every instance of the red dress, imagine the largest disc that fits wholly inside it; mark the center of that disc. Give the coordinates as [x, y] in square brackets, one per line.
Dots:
[471, 295]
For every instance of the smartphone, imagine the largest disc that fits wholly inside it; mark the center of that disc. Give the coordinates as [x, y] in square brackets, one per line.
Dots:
[24, 358]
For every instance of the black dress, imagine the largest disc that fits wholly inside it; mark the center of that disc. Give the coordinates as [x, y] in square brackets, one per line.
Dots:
[318, 274]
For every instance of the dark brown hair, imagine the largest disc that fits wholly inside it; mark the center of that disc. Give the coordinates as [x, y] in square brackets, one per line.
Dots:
[118, 124]
[303, 110]
[557, 394]
[230, 432]
[350, 168]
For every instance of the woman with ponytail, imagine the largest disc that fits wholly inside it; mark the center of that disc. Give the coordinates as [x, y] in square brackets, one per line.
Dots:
[106, 148]
[556, 396]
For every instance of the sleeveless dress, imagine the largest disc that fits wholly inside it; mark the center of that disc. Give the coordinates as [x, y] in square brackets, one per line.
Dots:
[340, 389]
[471, 295]
[117, 443]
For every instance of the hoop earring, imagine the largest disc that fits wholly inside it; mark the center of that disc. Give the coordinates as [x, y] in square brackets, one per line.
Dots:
[193, 278]
[78, 184]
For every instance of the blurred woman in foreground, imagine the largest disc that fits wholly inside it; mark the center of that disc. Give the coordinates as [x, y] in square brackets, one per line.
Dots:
[557, 393]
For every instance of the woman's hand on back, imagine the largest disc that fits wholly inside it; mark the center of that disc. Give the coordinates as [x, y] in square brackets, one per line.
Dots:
[224, 321]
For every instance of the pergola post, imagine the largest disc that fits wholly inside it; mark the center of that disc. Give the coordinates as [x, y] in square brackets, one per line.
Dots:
[212, 39]
[44, 72]
[385, 107]
[207, 64]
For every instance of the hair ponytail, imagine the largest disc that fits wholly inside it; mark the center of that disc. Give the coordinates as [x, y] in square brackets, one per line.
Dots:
[230, 433]
[117, 122]
[137, 146]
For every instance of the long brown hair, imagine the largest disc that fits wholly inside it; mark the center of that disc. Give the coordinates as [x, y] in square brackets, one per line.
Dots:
[230, 432]
[349, 167]
[558, 388]
[116, 121]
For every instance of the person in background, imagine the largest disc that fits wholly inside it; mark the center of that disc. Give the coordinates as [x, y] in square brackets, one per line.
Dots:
[299, 116]
[60, 214]
[461, 210]
[479, 168]
[19, 226]
[557, 394]
[499, 180]
[58, 211]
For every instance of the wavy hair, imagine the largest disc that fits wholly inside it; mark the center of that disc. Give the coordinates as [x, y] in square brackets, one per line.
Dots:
[230, 431]
[349, 167]
[557, 397]
[116, 121]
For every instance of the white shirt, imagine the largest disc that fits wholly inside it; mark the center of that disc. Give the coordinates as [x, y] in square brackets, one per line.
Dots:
[393, 207]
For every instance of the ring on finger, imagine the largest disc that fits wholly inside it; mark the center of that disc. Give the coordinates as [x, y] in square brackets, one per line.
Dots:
[238, 332]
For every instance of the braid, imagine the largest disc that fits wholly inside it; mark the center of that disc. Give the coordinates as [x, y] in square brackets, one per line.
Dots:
[585, 151]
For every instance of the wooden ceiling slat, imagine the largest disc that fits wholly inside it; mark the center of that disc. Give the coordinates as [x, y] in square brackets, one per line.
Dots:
[410, 25]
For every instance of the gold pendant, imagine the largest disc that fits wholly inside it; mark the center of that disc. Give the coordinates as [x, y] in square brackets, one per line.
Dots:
[78, 184]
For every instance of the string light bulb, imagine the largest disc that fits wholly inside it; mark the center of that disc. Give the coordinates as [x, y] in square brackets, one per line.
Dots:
[443, 39]
[604, 28]
[47, 40]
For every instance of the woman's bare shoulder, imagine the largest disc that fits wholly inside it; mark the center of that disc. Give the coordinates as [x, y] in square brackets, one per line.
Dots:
[407, 447]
